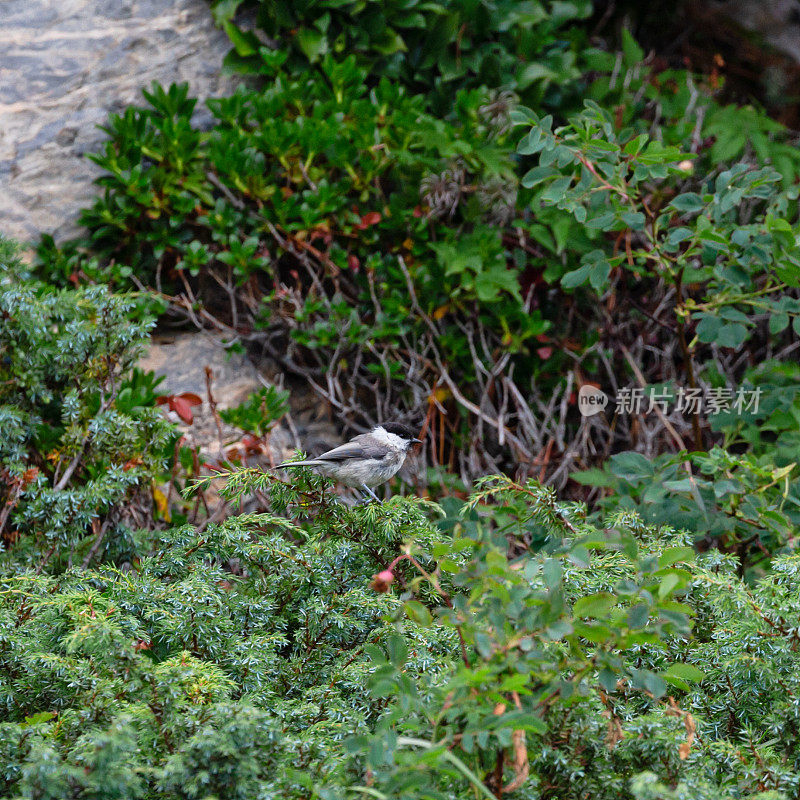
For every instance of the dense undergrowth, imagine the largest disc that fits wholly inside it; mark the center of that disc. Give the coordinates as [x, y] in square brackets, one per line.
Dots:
[404, 260]
[428, 212]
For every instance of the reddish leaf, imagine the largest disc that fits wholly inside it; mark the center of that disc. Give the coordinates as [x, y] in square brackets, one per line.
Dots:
[321, 233]
[417, 212]
[353, 262]
[544, 352]
[370, 218]
[182, 408]
[29, 476]
[181, 404]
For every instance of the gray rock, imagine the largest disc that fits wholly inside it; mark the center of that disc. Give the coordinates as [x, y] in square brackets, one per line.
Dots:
[64, 65]
[182, 359]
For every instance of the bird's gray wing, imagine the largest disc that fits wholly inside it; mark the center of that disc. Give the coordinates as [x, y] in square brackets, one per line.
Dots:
[355, 448]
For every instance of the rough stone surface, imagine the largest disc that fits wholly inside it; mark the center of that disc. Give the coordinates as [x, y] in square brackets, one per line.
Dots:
[182, 359]
[64, 66]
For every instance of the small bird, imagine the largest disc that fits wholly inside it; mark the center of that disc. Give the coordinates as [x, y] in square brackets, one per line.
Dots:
[366, 460]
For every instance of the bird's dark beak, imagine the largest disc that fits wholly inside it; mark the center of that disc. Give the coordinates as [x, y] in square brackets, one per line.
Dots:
[416, 441]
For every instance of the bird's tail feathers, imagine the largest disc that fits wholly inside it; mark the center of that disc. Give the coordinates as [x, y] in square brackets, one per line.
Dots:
[311, 462]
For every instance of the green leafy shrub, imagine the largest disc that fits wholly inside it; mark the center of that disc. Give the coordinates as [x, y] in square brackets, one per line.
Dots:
[393, 259]
[684, 109]
[737, 503]
[602, 737]
[311, 160]
[77, 445]
[401, 258]
[433, 48]
[391, 256]
[772, 431]
[604, 177]
[719, 265]
[732, 262]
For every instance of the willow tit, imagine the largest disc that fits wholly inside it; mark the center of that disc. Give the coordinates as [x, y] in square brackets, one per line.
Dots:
[366, 460]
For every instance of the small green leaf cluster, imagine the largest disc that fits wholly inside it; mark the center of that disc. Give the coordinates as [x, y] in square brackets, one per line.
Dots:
[260, 412]
[619, 181]
[682, 109]
[772, 431]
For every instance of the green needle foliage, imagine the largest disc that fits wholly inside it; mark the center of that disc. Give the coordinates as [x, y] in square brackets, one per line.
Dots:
[72, 457]
[502, 642]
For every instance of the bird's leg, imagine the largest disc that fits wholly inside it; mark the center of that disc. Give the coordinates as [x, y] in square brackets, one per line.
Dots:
[370, 492]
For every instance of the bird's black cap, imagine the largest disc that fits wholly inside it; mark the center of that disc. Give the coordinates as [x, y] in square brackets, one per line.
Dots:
[399, 430]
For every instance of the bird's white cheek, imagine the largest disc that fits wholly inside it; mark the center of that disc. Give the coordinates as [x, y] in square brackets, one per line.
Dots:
[389, 439]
